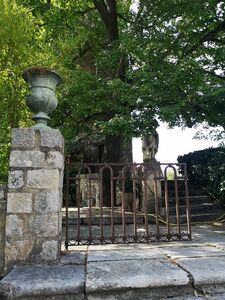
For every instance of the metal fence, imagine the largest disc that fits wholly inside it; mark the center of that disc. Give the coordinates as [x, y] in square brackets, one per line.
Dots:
[132, 203]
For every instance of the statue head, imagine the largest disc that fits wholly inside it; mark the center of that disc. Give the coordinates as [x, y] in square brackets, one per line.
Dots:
[150, 144]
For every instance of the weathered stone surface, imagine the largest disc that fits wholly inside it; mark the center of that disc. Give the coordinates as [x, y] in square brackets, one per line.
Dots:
[47, 201]
[3, 204]
[14, 226]
[124, 254]
[50, 250]
[43, 179]
[19, 203]
[33, 220]
[3, 188]
[2, 257]
[44, 225]
[15, 179]
[55, 160]
[51, 139]
[2, 226]
[17, 250]
[61, 179]
[27, 159]
[196, 251]
[154, 277]
[208, 272]
[40, 282]
[3, 199]
[23, 138]
[74, 258]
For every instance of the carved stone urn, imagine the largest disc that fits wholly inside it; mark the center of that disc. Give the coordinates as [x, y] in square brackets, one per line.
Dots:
[41, 100]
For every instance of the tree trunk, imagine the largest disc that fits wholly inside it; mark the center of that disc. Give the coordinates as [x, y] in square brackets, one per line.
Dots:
[113, 143]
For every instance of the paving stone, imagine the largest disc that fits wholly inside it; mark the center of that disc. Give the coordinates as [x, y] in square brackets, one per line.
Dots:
[74, 258]
[44, 282]
[124, 254]
[135, 279]
[207, 272]
[135, 246]
[181, 252]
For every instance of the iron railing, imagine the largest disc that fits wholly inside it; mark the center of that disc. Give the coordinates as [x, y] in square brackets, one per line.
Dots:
[132, 203]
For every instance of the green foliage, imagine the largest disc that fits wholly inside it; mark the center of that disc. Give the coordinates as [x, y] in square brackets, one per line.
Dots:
[178, 46]
[19, 48]
[164, 63]
[206, 169]
[171, 53]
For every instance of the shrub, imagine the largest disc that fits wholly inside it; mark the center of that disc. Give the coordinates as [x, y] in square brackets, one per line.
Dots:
[206, 168]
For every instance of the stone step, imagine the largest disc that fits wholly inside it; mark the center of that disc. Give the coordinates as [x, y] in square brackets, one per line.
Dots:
[206, 207]
[192, 200]
[198, 217]
[181, 192]
[192, 190]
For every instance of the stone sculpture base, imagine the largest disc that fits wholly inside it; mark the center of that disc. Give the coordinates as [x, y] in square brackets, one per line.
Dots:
[151, 170]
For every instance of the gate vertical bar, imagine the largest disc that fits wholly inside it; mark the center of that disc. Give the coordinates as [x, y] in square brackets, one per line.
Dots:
[89, 209]
[134, 204]
[167, 203]
[145, 206]
[123, 206]
[78, 208]
[187, 200]
[156, 206]
[67, 201]
[177, 201]
[101, 205]
[112, 204]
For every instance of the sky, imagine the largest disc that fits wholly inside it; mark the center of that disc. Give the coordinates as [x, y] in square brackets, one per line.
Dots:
[172, 143]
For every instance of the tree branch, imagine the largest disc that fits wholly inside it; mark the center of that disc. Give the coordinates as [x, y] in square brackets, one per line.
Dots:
[103, 11]
[108, 14]
[206, 37]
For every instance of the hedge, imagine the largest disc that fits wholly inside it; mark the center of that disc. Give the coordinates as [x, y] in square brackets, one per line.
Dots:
[206, 168]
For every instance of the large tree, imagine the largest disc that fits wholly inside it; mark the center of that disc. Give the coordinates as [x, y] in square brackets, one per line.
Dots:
[123, 69]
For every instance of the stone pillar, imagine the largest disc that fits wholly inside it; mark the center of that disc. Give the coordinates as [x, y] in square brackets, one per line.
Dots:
[34, 199]
[151, 170]
[2, 226]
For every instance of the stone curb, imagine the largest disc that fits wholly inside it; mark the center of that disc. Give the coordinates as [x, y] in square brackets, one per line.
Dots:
[117, 275]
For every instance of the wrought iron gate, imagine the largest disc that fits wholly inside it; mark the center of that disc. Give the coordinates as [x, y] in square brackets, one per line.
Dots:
[132, 203]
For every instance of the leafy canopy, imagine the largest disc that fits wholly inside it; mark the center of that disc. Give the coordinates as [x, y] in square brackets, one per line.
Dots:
[122, 68]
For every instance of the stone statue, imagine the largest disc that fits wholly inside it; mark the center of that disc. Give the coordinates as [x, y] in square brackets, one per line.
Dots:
[151, 171]
[150, 144]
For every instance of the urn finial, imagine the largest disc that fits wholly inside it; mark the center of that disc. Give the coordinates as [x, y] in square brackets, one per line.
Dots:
[41, 100]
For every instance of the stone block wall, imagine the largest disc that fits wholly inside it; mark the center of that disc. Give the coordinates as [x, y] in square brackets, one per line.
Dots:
[2, 226]
[34, 199]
